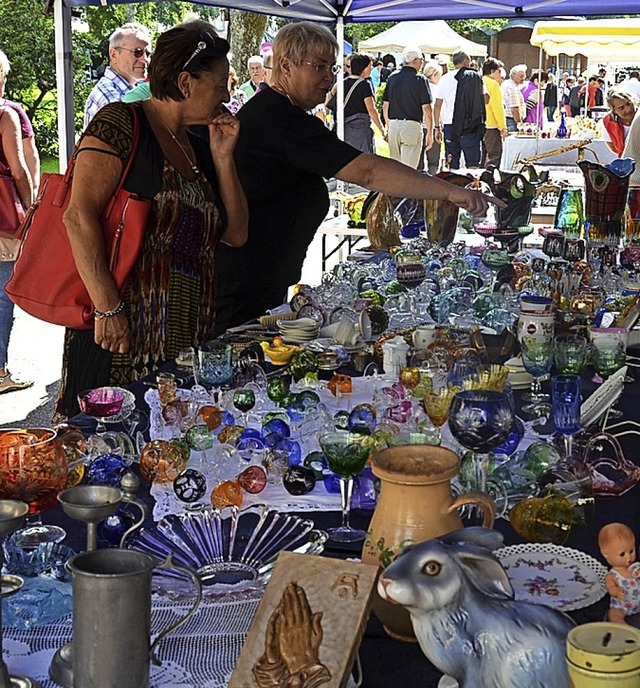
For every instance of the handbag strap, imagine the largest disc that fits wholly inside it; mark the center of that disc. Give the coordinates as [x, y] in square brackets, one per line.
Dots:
[351, 90]
[5, 170]
[135, 140]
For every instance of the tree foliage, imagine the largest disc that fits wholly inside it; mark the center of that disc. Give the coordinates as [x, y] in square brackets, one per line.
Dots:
[246, 30]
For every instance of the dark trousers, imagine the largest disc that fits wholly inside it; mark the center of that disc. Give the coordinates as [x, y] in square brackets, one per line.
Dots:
[551, 111]
[492, 147]
[469, 145]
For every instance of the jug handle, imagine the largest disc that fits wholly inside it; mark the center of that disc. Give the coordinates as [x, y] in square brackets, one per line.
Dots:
[143, 515]
[168, 563]
[480, 499]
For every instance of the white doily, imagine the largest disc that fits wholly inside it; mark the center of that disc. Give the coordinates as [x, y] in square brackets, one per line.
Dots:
[201, 654]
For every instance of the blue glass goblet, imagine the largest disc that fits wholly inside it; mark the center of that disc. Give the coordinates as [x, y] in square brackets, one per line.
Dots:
[537, 359]
[565, 407]
[481, 420]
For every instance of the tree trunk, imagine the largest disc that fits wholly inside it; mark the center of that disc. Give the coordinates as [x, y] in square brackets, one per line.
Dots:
[246, 30]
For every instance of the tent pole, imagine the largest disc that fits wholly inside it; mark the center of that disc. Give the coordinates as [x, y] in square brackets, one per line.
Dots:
[539, 106]
[339, 124]
[340, 78]
[64, 80]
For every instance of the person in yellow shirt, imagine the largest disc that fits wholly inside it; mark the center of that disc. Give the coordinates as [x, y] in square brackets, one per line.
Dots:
[496, 124]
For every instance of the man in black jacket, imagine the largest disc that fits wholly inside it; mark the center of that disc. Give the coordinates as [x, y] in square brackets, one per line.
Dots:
[460, 113]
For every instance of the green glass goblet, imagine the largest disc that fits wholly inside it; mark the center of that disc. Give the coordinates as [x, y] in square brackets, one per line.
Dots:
[244, 400]
[570, 353]
[347, 455]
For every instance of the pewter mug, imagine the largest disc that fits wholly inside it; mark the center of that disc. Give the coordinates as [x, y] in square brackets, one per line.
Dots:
[112, 617]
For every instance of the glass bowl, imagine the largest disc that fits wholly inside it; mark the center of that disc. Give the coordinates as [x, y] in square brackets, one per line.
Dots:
[231, 550]
[101, 401]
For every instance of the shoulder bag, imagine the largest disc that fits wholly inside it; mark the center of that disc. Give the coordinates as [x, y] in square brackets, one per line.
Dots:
[11, 208]
[45, 281]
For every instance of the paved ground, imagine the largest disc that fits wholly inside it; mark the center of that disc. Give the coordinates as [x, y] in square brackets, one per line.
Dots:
[35, 353]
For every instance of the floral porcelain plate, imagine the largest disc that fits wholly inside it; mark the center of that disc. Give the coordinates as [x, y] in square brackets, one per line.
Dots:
[560, 577]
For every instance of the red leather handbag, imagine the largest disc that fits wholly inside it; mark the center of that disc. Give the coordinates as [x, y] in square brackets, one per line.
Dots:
[45, 281]
[11, 209]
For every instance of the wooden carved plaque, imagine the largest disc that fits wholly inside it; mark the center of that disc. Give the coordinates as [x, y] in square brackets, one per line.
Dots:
[308, 626]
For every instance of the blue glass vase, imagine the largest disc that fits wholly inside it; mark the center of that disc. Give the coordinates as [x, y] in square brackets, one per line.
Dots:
[563, 132]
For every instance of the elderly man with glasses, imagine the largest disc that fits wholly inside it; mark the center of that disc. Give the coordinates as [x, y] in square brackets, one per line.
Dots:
[129, 53]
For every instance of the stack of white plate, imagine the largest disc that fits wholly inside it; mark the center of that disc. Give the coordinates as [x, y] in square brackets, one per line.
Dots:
[298, 331]
[518, 376]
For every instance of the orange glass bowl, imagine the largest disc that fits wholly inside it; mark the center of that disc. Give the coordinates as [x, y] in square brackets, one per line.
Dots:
[33, 467]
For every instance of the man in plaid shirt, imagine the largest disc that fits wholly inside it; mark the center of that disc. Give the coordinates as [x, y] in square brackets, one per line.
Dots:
[129, 53]
[514, 105]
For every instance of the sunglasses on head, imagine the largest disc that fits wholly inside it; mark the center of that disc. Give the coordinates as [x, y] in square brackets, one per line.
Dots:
[137, 52]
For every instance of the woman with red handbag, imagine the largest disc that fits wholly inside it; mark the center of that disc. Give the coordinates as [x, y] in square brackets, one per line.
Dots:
[19, 155]
[196, 201]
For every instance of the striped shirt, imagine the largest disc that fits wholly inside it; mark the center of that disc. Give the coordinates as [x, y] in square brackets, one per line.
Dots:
[513, 98]
[110, 89]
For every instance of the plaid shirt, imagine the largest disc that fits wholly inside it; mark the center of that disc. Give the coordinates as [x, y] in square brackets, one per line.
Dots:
[513, 98]
[110, 89]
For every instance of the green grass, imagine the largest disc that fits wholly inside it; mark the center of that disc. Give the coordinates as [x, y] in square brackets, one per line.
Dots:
[49, 164]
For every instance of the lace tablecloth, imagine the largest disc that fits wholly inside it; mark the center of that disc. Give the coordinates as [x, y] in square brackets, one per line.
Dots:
[201, 654]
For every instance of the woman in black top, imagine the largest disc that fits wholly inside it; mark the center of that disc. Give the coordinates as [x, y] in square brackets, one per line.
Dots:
[359, 105]
[551, 97]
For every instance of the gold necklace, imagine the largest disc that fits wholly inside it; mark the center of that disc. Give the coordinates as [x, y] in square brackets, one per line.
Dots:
[192, 165]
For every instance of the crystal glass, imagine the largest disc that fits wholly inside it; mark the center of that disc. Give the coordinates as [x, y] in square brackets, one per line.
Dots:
[537, 358]
[105, 404]
[570, 354]
[436, 405]
[565, 407]
[33, 469]
[481, 420]
[346, 455]
[608, 355]
[244, 400]
[214, 366]
[570, 213]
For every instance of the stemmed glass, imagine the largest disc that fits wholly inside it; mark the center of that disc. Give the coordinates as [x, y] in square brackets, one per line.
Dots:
[608, 355]
[105, 404]
[481, 420]
[537, 358]
[570, 354]
[244, 400]
[436, 405]
[565, 400]
[347, 455]
[33, 469]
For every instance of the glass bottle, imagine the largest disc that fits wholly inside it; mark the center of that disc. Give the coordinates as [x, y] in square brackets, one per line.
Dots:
[562, 132]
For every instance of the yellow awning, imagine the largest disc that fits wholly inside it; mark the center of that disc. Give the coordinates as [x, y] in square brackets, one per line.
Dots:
[606, 40]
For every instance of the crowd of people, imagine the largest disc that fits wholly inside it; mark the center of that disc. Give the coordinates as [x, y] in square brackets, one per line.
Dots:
[235, 176]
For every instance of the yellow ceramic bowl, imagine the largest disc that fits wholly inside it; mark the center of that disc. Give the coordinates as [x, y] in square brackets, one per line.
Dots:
[279, 355]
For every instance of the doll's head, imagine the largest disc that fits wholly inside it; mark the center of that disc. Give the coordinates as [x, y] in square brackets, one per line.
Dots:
[617, 544]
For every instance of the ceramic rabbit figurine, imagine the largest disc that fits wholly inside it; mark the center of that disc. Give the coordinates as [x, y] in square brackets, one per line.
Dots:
[466, 619]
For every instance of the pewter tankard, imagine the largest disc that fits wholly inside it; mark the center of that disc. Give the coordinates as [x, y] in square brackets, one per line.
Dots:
[112, 617]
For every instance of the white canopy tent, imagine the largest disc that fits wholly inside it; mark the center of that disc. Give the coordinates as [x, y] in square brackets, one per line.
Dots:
[432, 37]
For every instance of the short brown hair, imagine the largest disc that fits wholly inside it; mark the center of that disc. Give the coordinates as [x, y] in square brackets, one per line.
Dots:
[297, 40]
[177, 50]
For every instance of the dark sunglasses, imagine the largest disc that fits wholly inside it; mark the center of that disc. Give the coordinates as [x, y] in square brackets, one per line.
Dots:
[137, 52]
[206, 41]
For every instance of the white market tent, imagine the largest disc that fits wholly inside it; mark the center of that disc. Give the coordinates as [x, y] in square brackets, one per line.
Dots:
[429, 36]
[604, 40]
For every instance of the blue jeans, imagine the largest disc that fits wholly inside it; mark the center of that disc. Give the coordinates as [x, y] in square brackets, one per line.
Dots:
[6, 311]
[468, 144]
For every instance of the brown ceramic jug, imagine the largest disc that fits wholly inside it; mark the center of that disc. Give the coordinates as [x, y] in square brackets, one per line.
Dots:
[415, 504]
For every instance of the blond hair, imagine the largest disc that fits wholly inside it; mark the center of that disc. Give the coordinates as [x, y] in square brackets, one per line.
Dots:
[431, 69]
[297, 41]
[5, 67]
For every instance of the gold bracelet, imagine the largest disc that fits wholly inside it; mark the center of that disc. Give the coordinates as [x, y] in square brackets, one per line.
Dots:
[99, 315]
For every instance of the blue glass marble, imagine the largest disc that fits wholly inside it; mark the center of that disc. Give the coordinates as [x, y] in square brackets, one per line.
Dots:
[112, 528]
[276, 427]
[363, 416]
[108, 469]
[292, 449]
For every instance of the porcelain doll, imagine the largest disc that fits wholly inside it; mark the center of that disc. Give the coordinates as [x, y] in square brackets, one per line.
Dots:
[617, 544]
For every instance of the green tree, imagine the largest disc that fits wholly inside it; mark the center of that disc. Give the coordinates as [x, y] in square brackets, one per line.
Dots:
[246, 30]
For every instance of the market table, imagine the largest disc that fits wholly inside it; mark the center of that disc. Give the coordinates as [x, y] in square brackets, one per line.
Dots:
[516, 147]
[220, 628]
